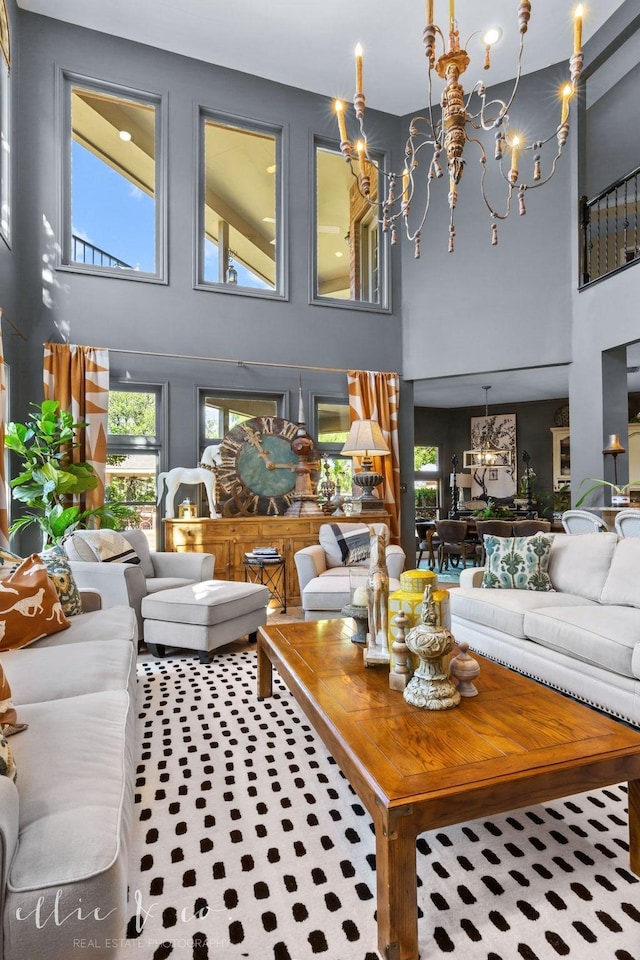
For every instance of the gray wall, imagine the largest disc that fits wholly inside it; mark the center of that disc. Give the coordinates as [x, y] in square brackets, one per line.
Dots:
[612, 125]
[490, 308]
[605, 317]
[449, 429]
[175, 319]
[15, 348]
[480, 309]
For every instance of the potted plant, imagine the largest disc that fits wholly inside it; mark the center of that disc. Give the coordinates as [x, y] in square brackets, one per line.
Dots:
[556, 502]
[619, 493]
[493, 512]
[48, 478]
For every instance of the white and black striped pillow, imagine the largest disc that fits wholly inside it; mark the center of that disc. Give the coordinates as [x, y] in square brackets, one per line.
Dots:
[107, 546]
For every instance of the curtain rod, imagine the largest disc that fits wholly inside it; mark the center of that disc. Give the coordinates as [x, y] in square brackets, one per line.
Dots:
[12, 325]
[239, 363]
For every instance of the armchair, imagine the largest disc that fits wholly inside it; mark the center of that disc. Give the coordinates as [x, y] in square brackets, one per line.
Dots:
[126, 583]
[324, 569]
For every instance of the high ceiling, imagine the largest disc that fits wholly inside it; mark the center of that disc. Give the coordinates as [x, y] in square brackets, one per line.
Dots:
[310, 46]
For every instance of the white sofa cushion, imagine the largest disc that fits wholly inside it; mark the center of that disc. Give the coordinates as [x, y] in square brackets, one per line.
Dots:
[622, 586]
[332, 590]
[505, 610]
[70, 670]
[579, 565]
[607, 637]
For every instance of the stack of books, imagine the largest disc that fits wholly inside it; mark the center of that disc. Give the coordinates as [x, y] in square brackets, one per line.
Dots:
[263, 553]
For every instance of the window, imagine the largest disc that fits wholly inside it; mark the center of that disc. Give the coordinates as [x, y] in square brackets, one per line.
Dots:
[5, 151]
[239, 228]
[427, 491]
[331, 417]
[133, 452]
[113, 165]
[220, 412]
[350, 247]
[425, 459]
[332, 422]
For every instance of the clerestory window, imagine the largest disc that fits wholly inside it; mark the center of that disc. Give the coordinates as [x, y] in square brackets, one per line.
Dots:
[240, 226]
[112, 198]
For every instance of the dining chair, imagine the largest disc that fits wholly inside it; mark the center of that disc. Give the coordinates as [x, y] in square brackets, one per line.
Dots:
[582, 521]
[527, 528]
[493, 528]
[453, 545]
[627, 523]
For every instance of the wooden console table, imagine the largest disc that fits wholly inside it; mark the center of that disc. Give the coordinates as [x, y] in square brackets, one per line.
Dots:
[229, 540]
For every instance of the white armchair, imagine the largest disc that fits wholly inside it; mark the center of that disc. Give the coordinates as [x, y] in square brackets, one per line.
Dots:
[324, 569]
[128, 583]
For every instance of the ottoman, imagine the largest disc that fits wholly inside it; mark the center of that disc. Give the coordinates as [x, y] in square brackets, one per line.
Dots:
[203, 616]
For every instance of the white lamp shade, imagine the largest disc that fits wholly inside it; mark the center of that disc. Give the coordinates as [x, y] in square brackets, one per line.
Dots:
[464, 480]
[365, 439]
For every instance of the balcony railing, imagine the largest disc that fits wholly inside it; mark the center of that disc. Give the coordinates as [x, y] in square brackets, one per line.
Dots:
[609, 222]
[84, 252]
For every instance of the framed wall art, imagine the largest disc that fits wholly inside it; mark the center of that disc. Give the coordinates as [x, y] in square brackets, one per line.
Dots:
[495, 436]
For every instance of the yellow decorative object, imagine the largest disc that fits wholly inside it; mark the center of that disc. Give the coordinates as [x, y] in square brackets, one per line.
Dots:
[408, 598]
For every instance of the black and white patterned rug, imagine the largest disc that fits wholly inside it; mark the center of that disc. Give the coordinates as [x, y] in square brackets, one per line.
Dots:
[249, 843]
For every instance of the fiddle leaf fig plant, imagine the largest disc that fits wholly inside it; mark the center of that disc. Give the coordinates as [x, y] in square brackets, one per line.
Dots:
[48, 477]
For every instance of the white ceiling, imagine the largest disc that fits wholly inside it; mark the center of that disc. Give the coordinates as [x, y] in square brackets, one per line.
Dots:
[509, 386]
[310, 45]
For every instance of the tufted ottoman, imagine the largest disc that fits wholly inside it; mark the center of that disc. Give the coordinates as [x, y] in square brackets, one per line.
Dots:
[203, 616]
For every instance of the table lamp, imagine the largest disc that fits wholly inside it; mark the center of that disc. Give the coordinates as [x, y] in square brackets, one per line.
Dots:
[365, 440]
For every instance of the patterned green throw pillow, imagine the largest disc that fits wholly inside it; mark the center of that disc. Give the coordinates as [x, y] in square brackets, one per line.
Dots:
[517, 563]
[58, 569]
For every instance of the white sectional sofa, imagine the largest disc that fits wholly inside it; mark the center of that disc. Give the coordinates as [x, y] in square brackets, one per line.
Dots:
[65, 824]
[582, 638]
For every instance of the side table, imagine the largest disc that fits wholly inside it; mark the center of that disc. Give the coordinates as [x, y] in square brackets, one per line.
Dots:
[271, 572]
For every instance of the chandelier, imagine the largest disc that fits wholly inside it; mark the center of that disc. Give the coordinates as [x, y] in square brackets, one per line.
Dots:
[456, 126]
[487, 455]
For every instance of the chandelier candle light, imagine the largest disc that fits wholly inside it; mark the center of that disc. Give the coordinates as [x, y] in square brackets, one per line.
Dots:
[451, 131]
[487, 455]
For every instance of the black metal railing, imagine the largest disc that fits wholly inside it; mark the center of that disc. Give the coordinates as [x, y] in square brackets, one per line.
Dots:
[84, 252]
[609, 222]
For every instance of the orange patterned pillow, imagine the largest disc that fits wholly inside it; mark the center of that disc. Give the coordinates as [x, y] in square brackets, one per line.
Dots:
[29, 605]
[8, 717]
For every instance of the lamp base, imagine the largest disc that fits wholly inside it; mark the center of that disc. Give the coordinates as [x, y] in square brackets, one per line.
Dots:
[367, 480]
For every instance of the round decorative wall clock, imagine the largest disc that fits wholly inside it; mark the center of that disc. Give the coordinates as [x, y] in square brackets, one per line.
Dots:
[257, 470]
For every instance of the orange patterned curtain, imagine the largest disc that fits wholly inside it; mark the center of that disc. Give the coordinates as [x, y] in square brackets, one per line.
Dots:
[78, 377]
[376, 396]
[4, 33]
[4, 507]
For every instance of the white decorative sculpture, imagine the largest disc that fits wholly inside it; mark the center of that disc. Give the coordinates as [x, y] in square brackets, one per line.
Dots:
[205, 473]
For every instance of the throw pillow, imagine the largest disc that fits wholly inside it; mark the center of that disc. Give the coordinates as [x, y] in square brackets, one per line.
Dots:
[7, 763]
[29, 605]
[8, 562]
[517, 563]
[345, 543]
[57, 565]
[106, 546]
[8, 718]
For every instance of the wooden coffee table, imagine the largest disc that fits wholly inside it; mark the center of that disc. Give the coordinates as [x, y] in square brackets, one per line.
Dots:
[517, 743]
